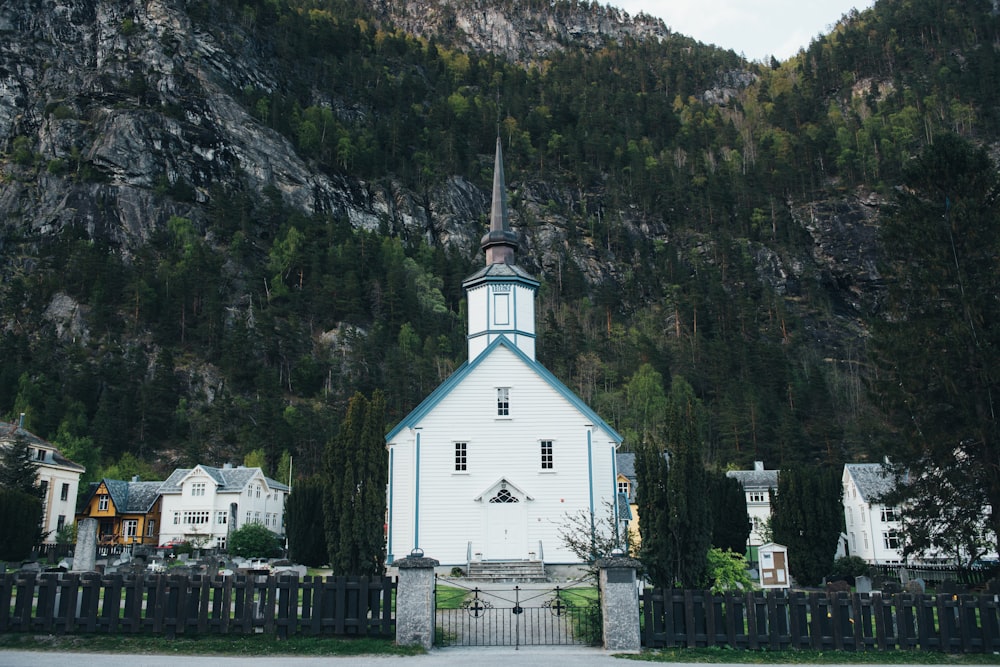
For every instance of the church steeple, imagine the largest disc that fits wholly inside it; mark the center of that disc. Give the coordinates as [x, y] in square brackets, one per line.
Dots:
[501, 295]
[500, 242]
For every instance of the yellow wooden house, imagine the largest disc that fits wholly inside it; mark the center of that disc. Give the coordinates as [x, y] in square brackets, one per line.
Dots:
[128, 513]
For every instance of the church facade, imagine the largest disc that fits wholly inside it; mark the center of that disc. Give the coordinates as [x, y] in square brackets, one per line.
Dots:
[493, 462]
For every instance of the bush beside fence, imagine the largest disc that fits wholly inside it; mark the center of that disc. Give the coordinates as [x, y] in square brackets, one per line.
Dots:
[845, 622]
[171, 605]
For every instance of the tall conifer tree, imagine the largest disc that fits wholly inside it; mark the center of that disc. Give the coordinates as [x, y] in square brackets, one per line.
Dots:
[354, 505]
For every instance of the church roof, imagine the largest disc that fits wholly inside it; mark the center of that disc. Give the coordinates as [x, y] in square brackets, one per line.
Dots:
[446, 387]
[511, 272]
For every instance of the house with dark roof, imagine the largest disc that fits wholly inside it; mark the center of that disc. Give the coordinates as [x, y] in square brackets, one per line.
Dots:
[204, 504]
[57, 475]
[873, 528]
[127, 513]
[757, 485]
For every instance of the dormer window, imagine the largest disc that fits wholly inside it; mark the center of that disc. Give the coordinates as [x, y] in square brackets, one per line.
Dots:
[198, 488]
[503, 401]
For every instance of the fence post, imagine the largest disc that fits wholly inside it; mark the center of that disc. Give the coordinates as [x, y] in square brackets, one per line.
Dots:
[620, 604]
[415, 613]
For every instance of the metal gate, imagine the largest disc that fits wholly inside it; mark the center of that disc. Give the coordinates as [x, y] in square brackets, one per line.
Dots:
[517, 615]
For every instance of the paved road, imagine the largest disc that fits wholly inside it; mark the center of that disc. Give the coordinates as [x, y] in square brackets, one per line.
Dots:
[562, 656]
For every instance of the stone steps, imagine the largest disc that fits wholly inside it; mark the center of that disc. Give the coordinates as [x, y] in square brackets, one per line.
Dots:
[507, 571]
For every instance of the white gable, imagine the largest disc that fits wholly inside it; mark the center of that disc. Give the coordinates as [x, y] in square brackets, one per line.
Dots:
[451, 513]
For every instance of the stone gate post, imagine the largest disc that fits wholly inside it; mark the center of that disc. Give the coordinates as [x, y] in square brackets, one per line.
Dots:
[415, 612]
[620, 604]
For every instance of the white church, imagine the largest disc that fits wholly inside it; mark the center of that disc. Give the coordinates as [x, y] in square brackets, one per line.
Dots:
[491, 463]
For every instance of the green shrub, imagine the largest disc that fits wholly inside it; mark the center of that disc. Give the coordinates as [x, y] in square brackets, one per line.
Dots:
[253, 541]
[850, 566]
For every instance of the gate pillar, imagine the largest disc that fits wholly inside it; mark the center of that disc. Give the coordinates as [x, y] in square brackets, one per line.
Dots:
[620, 604]
[415, 613]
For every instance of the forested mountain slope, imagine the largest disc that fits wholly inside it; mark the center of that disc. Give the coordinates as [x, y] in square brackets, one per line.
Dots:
[221, 218]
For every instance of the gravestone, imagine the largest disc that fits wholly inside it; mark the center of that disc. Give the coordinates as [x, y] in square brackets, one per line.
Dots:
[85, 554]
[863, 584]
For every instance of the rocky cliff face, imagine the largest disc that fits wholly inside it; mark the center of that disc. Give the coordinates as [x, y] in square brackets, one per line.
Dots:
[116, 115]
[520, 32]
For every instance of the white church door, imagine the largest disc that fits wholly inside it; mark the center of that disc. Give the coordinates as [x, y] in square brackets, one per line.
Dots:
[506, 525]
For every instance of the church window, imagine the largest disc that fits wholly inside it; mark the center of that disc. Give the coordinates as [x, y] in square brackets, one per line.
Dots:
[546, 455]
[501, 309]
[461, 456]
[503, 401]
[504, 496]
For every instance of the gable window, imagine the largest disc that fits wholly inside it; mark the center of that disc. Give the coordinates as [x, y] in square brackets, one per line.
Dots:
[102, 504]
[623, 487]
[757, 497]
[461, 456]
[198, 488]
[546, 455]
[503, 401]
[504, 497]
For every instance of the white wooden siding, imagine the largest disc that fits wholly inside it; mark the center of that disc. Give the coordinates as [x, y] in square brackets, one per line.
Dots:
[508, 448]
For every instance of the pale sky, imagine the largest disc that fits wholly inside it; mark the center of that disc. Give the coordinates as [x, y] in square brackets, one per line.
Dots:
[756, 28]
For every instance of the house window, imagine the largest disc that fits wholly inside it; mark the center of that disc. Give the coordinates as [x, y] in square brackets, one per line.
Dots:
[890, 514]
[249, 515]
[130, 527]
[221, 517]
[198, 488]
[64, 492]
[503, 401]
[220, 541]
[850, 517]
[546, 455]
[102, 503]
[151, 528]
[195, 516]
[461, 456]
[61, 522]
[177, 518]
[890, 539]
[258, 491]
[757, 497]
[623, 487]
[864, 536]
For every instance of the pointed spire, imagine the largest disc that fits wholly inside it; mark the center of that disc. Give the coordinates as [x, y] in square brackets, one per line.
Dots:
[500, 242]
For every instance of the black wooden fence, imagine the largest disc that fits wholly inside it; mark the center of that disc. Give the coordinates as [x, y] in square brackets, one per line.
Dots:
[172, 605]
[844, 622]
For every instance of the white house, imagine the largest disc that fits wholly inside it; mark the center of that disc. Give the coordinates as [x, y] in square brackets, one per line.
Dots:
[205, 504]
[873, 529]
[757, 484]
[490, 464]
[58, 476]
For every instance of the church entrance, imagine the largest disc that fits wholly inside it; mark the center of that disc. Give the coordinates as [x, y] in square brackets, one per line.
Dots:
[506, 525]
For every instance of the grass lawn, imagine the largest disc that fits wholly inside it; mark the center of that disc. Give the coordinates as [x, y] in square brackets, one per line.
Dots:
[802, 657]
[240, 645]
